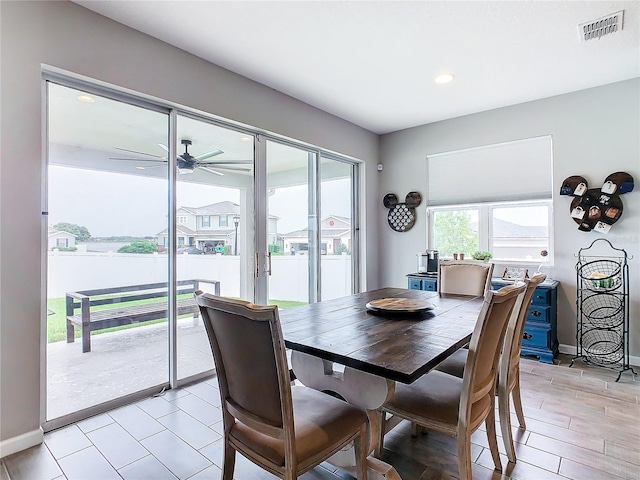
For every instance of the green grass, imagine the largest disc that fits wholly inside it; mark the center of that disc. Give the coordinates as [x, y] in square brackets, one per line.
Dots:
[57, 324]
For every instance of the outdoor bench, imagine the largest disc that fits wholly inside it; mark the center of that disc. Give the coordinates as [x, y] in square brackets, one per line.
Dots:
[127, 309]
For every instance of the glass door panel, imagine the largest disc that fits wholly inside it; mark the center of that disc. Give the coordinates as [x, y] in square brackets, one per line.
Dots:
[336, 200]
[291, 225]
[215, 226]
[107, 203]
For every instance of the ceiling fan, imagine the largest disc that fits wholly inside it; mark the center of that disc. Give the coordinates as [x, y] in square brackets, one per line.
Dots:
[187, 163]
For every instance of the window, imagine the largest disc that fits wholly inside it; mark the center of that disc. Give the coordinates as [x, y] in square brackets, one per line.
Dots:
[182, 219]
[206, 221]
[62, 242]
[513, 232]
[224, 221]
[495, 198]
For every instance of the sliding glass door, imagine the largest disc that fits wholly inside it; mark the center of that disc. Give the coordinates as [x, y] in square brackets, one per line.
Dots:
[106, 208]
[214, 226]
[147, 205]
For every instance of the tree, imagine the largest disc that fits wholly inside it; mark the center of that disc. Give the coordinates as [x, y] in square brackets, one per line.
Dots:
[139, 247]
[453, 233]
[342, 248]
[81, 233]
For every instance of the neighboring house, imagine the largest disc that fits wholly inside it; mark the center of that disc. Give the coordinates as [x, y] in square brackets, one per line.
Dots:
[210, 226]
[334, 230]
[60, 239]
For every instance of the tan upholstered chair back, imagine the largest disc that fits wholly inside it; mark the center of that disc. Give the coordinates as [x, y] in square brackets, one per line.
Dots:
[464, 277]
[480, 372]
[513, 338]
[250, 359]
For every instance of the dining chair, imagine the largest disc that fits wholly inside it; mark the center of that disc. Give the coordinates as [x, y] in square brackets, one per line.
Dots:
[509, 369]
[287, 430]
[458, 406]
[464, 277]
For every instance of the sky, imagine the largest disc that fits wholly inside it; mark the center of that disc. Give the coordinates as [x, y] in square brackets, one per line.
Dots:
[112, 204]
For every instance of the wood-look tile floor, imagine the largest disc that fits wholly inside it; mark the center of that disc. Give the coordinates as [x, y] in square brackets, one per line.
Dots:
[581, 424]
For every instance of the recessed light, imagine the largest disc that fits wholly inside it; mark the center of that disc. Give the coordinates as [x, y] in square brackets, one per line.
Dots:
[139, 167]
[245, 139]
[85, 98]
[445, 78]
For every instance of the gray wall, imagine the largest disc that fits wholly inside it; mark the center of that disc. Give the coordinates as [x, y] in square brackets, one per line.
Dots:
[67, 36]
[595, 132]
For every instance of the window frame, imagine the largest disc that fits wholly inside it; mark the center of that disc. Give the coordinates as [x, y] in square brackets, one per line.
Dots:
[485, 226]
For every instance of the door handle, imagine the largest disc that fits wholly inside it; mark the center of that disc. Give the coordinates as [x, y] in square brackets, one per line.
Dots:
[268, 263]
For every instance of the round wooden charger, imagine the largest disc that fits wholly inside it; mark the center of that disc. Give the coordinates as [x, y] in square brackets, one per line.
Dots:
[399, 305]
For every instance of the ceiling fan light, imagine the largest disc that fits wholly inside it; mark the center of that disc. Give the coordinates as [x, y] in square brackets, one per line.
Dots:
[184, 170]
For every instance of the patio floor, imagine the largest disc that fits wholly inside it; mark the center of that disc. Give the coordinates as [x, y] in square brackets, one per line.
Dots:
[120, 363]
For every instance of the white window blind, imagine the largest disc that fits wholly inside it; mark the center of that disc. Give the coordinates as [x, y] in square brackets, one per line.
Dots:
[519, 170]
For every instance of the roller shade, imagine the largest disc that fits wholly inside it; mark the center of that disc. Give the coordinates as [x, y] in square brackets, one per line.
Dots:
[519, 170]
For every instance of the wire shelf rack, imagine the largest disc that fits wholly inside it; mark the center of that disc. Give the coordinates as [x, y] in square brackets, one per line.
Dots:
[602, 306]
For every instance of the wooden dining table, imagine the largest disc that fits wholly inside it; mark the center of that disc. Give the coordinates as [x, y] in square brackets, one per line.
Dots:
[349, 347]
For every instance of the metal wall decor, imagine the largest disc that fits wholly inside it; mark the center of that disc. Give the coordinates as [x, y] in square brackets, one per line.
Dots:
[597, 208]
[402, 216]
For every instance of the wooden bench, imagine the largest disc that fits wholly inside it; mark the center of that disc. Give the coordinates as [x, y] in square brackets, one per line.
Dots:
[125, 312]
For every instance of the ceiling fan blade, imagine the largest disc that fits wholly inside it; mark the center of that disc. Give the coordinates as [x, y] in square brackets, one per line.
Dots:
[212, 153]
[232, 169]
[138, 159]
[139, 153]
[215, 172]
[227, 162]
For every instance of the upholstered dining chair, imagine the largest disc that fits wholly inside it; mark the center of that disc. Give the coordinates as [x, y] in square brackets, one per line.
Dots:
[287, 430]
[464, 277]
[509, 370]
[458, 406]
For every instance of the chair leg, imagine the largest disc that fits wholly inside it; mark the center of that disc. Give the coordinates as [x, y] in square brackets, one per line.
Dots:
[490, 423]
[517, 402]
[505, 422]
[229, 461]
[382, 420]
[360, 453]
[464, 456]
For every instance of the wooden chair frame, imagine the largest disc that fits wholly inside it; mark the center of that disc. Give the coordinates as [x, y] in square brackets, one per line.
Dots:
[473, 388]
[232, 412]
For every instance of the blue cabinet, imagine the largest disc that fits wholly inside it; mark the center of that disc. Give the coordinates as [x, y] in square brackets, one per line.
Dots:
[423, 281]
[540, 337]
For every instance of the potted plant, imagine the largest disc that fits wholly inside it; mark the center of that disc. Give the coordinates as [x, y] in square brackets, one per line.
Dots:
[481, 255]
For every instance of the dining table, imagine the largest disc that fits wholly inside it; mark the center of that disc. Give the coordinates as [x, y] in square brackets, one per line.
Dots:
[360, 345]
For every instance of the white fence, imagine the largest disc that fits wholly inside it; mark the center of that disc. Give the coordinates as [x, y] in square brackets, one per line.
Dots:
[73, 271]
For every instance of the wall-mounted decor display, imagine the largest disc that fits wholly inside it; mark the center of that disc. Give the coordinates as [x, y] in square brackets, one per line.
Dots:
[596, 208]
[402, 216]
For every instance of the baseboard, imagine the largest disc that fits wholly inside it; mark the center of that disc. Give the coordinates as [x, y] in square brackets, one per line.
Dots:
[21, 442]
[571, 350]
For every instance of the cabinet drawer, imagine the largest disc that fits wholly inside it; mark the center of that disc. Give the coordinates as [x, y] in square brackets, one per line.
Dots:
[415, 284]
[541, 296]
[539, 314]
[430, 285]
[535, 337]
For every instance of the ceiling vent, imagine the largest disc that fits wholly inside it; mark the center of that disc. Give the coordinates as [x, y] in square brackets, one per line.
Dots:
[601, 27]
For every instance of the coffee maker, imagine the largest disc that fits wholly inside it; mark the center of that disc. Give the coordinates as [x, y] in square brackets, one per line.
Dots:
[428, 261]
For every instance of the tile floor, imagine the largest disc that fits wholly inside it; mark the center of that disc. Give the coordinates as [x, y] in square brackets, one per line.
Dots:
[581, 424]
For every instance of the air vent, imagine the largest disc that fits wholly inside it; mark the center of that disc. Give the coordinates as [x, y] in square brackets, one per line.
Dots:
[601, 27]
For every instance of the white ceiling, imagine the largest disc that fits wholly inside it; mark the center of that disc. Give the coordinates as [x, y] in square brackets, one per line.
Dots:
[373, 63]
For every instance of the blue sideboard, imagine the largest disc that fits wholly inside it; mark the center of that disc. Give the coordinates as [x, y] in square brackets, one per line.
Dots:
[540, 337]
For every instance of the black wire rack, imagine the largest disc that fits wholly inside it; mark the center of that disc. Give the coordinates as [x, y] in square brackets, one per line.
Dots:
[602, 301]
